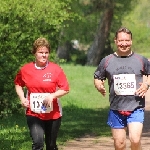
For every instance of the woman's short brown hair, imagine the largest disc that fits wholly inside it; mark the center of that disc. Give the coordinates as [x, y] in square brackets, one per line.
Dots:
[40, 42]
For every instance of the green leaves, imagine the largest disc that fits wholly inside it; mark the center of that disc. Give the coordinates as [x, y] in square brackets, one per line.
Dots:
[23, 21]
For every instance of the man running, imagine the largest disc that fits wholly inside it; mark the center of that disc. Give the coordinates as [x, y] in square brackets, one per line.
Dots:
[124, 70]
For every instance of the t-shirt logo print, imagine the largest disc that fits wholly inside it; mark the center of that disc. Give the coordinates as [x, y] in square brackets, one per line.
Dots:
[47, 77]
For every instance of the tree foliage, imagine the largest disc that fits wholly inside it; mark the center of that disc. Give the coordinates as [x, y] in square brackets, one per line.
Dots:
[139, 23]
[87, 27]
[112, 13]
[60, 21]
[23, 21]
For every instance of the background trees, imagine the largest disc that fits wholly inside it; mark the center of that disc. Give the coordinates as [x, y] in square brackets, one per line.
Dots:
[95, 28]
[23, 21]
[91, 22]
[112, 13]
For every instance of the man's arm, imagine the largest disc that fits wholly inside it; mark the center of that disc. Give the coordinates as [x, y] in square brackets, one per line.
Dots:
[143, 87]
[99, 85]
[147, 82]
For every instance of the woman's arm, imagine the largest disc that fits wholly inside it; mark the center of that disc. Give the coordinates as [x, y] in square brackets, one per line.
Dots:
[48, 100]
[20, 93]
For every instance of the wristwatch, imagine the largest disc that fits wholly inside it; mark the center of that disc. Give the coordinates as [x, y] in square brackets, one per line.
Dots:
[148, 86]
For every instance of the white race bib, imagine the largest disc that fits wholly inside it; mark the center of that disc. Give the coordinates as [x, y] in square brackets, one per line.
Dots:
[36, 103]
[124, 84]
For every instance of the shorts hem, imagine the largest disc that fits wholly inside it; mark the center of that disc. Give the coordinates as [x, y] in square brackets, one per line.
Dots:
[116, 127]
[136, 121]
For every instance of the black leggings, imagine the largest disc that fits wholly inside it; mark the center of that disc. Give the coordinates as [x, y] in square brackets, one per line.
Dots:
[38, 128]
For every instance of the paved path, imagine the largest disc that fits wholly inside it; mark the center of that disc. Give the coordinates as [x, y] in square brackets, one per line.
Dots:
[106, 143]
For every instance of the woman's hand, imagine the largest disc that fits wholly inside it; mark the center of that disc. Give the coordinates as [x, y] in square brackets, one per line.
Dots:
[48, 100]
[25, 102]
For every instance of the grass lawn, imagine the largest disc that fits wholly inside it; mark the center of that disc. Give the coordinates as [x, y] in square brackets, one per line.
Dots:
[145, 54]
[84, 112]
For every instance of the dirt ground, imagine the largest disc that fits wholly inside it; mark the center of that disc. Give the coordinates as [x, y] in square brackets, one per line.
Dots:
[106, 143]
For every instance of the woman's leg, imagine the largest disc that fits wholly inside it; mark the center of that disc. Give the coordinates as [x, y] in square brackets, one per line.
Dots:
[36, 127]
[51, 131]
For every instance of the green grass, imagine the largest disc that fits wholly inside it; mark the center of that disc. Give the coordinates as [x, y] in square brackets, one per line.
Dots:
[84, 112]
[145, 54]
[14, 133]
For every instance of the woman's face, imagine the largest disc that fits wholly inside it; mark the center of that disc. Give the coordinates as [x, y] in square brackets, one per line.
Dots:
[41, 56]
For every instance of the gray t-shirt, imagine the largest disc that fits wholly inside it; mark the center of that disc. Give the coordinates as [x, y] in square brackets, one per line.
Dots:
[114, 65]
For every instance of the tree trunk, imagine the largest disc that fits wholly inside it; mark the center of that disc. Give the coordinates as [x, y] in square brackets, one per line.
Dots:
[98, 46]
[63, 51]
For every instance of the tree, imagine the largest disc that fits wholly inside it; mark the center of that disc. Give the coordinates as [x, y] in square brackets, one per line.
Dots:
[23, 21]
[82, 28]
[95, 26]
[99, 43]
[113, 11]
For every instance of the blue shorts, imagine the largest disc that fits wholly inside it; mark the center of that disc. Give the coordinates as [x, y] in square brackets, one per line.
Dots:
[117, 120]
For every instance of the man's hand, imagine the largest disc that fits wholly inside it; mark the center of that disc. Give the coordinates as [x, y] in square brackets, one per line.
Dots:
[99, 84]
[141, 91]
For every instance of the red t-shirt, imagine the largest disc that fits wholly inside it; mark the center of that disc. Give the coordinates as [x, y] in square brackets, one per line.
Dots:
[45, 80]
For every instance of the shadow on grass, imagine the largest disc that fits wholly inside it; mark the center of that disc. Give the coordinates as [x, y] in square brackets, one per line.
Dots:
[14, 133]
[77, 122]
[13, 144]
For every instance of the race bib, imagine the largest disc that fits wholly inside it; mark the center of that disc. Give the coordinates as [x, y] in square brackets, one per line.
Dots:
[124, 84]
[36, 103]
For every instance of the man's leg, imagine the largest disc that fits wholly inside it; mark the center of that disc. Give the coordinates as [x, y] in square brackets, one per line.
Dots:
[119, 136]
[135, 131]
[118, 124]
[135, 126]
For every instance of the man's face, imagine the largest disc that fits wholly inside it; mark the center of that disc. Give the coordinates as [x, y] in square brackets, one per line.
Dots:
[123, 43]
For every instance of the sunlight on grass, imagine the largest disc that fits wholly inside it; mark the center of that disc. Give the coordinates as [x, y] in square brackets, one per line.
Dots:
[13, 134]
[84, 112]
[82, 90]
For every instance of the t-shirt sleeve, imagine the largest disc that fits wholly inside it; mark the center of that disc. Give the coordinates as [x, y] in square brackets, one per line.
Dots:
[100, 72]
[147, 66]
[62, 81]
[18, 79]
